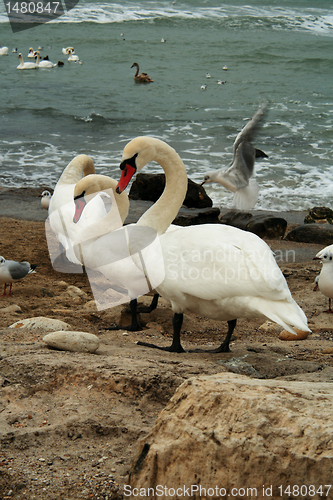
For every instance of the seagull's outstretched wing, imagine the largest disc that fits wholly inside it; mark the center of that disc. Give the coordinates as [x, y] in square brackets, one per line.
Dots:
[248, 132]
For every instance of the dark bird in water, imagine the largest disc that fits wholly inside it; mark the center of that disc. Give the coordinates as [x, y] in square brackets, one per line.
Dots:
[142, 77]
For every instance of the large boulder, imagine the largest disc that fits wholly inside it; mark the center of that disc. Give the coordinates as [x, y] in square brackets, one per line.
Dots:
[262, 225]
[150, 187]
[319, 215]
[230, 435]
[312, 233]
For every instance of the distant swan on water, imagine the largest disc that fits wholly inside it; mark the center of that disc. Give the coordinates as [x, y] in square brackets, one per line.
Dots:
[72, 57]
[142, 77]
[43, 63]
[3, 51]
[26, 65]
[66, 50]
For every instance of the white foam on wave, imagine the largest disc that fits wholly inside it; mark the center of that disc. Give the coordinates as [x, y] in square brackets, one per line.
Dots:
[319, 21]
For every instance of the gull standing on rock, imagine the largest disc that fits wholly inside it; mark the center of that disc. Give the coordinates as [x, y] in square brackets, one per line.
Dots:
[10, 271]
[236, 177]
[325, 279]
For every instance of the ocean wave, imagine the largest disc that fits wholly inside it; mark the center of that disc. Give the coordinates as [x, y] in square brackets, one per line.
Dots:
[95, 118]
[317, 20]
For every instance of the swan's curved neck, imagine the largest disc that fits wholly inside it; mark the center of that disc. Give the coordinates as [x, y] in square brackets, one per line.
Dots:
[137, 71]
[164, 211]
[73, 172]
[38, 59]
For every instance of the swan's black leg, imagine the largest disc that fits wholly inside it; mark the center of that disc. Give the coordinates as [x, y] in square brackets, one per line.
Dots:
[176, 346]
[224, 347]
[135, 326]
[153, 305]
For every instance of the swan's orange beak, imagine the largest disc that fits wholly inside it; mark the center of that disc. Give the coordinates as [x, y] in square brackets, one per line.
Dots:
[80, 203]
[128, 171]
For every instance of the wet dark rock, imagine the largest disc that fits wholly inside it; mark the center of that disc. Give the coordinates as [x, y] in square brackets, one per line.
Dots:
[312, 233]
[149, 187]
[262, 225]
[321, 215]
[185, 217]
[193, 216]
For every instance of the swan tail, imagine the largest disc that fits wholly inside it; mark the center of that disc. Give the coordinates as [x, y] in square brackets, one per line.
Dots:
[286, 314]
[245, 198]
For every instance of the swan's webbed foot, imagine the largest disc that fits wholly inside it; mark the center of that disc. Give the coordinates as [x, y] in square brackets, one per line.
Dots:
[176, 345]
[223, 348]
[170, 348]
[135, 326]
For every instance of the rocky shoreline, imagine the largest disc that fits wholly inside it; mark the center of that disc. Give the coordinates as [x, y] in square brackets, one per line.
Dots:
[78, 425]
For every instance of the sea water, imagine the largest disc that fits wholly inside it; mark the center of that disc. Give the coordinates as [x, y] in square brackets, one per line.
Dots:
[276, 52]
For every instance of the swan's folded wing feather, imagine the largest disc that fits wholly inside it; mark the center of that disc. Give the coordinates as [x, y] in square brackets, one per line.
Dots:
[211, 269]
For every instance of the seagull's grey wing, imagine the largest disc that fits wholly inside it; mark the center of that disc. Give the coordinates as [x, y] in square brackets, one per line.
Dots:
[242, 167]
[18, 270]
[248, 132]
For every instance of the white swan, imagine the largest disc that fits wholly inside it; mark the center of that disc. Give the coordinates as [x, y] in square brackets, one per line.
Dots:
[236, 177]
[43, 63]
[72, 57]
[66, 50]
[26, 65]
[61, 205]
[94, 223]
[124, 256]
[213, 270]
[3, 51]
[31, 53]
[325, 279]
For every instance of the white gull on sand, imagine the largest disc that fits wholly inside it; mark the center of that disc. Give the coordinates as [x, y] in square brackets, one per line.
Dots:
[325, 279]
[45, 198]
[10, 271]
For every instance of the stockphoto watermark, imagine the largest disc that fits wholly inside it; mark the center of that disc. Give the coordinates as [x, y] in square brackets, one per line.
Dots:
[195, 491]
[26, 15]
[224, 264]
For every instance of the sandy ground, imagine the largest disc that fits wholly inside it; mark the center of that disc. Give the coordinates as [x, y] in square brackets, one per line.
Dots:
[69, 422]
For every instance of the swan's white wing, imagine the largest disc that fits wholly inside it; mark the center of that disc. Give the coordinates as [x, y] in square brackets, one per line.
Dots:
[213, 262]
